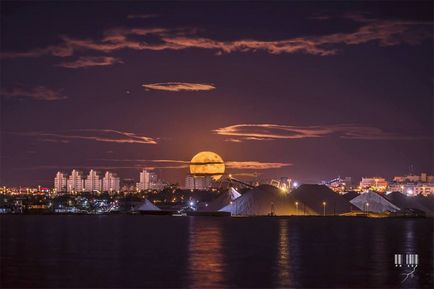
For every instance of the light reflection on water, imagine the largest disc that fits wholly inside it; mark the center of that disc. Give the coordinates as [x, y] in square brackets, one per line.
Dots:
[205, 255]
[206, 252]
[283, 261]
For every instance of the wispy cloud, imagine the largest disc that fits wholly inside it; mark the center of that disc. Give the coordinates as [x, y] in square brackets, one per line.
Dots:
[89, 61]
[95, 167]
[167, 164]
[100, 135]
[246, 132]
[246, 174]
[383, 32]
[153, 164]
[255, 165]
[179, 86]
[247, 165]
[35, 93]
[60, 50]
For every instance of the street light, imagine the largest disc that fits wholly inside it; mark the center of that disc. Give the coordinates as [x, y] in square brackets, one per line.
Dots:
[296, 205]
[324, 207]
[367, 208]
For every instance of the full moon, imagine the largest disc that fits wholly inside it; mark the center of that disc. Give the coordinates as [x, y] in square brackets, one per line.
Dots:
[207, 164]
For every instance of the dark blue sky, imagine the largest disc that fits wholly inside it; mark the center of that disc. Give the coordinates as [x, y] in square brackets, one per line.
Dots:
[309, 90]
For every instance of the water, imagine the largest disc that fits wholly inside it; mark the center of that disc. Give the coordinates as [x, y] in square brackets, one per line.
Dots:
[210, 252]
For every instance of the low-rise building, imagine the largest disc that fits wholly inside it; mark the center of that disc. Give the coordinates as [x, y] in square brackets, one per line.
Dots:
[377, 184]
[412, 189]
[423, 177]
[339, 185]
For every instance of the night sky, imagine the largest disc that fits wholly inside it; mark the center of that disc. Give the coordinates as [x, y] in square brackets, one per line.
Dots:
[309, 90]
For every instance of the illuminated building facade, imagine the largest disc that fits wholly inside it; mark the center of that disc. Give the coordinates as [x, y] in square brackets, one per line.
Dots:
[75, 182]
[110, 182]
[198, 182]
[373, 184]
[144, 180]
[413, 185]
[93, 182]
[60, 182]
[423, 177]
[412, 189]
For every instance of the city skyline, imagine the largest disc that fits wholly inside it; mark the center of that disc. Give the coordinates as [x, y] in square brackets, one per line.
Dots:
[283, 89]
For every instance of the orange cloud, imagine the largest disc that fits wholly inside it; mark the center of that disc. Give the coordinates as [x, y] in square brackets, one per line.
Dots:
[255, 165]
[36, 93]
[89, 61]
[179, 86]
[384, 32]
[181, 164]
[246, 132]
[100, 135]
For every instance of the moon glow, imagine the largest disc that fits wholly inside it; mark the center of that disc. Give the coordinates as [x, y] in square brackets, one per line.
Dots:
[207, 164]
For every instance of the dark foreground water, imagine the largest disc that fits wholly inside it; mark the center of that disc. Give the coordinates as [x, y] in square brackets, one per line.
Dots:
[208, 252]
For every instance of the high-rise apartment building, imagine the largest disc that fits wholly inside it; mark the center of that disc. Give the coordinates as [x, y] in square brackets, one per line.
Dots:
[75, 182]
[147, 180]
[110, 182]
[60, 182]
[197, 182]
[93, 182]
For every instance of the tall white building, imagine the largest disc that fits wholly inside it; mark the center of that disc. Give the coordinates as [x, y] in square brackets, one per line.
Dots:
[93, 182]
[110, 182]
[75, 182]
[153, 180]
[197, 182]
[60, 182]
[147, 180]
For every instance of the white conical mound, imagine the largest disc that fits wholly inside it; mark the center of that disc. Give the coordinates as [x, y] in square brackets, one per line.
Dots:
[147, 205]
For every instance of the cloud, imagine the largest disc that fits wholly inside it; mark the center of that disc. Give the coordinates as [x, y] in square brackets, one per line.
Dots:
[179, 86]
[142, 16]
[99, 135]
[383, 32]
[95, 167]
[89, 61]
[255, 165]
[246, 174]
[60, 50]
[35, 93]
[182, 164]
[147, 163]
[246, 132]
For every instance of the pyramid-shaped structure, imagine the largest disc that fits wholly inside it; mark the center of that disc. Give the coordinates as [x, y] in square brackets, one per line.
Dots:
[222, 200]
[420, 202]
[311, 197]
[374, 202]
[147, 205]
[262, 201]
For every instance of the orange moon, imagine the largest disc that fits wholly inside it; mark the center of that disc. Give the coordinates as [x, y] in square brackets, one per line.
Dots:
[207, 164]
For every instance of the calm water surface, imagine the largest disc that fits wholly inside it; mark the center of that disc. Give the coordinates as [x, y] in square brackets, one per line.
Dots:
[211, 252]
